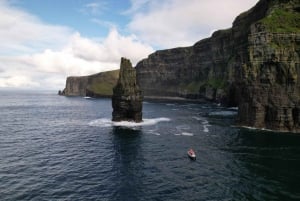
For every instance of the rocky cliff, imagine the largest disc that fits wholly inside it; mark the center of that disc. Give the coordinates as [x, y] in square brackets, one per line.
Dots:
[97, 85]
[253, 65]
[127, 99]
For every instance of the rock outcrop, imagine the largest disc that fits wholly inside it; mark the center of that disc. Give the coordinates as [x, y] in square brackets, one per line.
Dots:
[127, 99]
[254, 65]
[97, 85]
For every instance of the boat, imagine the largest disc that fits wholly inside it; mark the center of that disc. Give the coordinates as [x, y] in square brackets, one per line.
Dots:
[191, 153]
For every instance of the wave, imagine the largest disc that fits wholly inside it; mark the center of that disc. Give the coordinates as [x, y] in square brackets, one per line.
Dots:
[223, 113]
[197, 118]
[154, 132]
[205, 128]
[105, 122]
[187, 134]
[184, 134]
[204, 122]
[170, 104]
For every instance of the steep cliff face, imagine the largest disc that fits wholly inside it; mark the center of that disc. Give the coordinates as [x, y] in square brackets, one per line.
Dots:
[97, 85]
[127, 99]
[76, 86]
[253, 65]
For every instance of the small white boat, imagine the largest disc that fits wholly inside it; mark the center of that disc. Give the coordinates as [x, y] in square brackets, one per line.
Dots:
[191, 153]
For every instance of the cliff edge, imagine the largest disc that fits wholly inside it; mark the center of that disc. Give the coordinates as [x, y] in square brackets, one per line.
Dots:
[254, 65]
[96, 85]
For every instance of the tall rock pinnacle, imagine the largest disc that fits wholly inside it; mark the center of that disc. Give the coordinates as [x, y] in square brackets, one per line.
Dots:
[127, 99]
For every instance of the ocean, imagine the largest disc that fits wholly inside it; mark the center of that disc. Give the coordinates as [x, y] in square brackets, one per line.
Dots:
[67, 148]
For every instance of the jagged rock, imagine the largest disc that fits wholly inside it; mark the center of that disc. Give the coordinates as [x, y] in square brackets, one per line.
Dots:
[61, 93]
[254, 65]
[127, 100]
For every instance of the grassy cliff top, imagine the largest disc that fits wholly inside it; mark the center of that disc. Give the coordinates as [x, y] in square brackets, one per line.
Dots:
[103, 83]
[281, 20]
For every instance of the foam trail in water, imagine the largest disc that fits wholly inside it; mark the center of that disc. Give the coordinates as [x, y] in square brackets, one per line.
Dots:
[184, 134]
[153, 132]
[205, 126]
[197, 118]
[187, 134]
[223, 113]
[105, 122]
[204, 122]
[170, 104]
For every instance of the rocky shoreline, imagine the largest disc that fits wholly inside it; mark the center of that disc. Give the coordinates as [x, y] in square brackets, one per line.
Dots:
[255, 66]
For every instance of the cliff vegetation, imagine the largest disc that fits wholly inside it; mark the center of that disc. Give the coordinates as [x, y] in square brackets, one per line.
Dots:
[97, 85]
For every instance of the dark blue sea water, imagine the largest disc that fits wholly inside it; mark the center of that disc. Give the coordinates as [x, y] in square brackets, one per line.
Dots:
[58, 148]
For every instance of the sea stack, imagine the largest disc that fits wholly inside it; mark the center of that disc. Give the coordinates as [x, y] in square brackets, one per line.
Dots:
[127, 99]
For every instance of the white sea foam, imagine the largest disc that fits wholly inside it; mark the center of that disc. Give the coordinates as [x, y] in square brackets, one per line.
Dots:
[187, 134]
[197, 118]
[153, 132]
[184, 134]
[183, 127]
[204, 122]
[205, 128]
[223, 113]
[262, 129]
[170, 104]
[105, 122]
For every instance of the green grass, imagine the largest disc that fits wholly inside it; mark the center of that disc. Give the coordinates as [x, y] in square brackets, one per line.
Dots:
[104, 82]
[192, 87]
[216, 83]
[282, 21]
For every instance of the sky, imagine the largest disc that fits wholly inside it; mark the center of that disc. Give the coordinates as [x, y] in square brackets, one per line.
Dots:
[44, 41]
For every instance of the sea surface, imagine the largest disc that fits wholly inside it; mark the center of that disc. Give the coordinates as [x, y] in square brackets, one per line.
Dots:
[62, 148]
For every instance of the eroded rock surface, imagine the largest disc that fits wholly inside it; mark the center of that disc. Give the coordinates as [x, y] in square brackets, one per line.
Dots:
[127, 99]
[254, 65]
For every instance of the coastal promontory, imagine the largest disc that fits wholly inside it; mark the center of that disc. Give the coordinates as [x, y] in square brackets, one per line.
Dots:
[96, 85]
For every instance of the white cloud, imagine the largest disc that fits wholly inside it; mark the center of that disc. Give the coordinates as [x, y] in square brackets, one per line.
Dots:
[83, 56]
[137, 5]
[38, 55]
[21, 32]
[170, 23]
[19, 81]
[110, 49]
[94, 8]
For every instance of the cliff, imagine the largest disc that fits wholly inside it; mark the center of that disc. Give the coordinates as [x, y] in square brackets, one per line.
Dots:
[253, 65]
[97, 85]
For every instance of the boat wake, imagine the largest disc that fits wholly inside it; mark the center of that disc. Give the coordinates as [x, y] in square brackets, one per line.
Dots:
[204, 123]
[105, 122]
